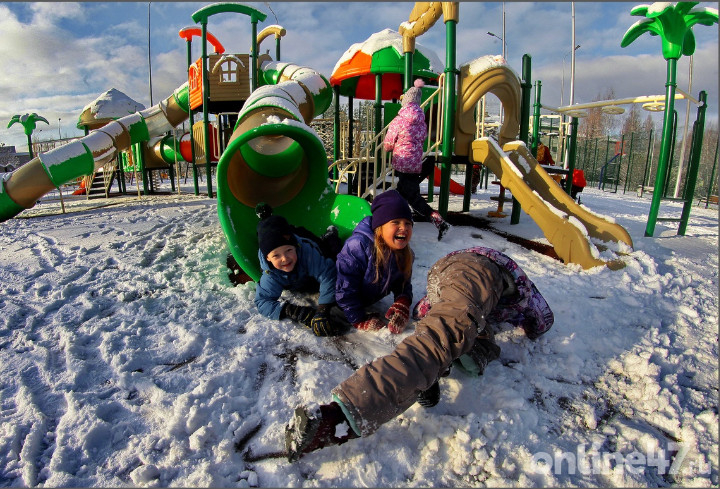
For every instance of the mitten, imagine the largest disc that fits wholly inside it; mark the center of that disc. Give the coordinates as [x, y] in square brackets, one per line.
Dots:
[301, 314]
[398, 314]
[372, 323]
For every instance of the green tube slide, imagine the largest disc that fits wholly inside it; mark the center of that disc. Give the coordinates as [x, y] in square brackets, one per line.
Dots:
[22, 188]
[281, 162]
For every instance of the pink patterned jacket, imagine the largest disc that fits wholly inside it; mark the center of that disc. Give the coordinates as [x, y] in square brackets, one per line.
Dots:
[405, 137]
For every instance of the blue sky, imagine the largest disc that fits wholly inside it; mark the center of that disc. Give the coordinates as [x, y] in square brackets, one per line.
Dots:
[58, 57]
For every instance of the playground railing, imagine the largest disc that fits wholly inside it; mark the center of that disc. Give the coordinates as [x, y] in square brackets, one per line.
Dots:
[373, 168]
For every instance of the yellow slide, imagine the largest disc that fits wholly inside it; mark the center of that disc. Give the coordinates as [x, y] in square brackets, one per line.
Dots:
[565, 224]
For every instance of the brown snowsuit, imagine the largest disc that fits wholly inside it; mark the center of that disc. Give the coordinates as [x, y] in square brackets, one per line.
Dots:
[463, 289]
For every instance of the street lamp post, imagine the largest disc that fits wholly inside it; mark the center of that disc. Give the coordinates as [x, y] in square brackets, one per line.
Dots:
[503, 43]
[562, 82]
[504, 50]
[562, 101]
[59, 119]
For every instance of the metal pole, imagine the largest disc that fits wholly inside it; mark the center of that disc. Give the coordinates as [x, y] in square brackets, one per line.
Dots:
[619, 163]
[191, 120]
[664, 147]
[571, 153]
[685, 132]
[336, 130]
[408, 78]
[450, 101]
[629, 167]
[572, 59]
[694, 164]
[206, 115]
[503, 39]
[668, 172]
[525, 87]
[378, 104]
[712, 174]
[536, 121]
[149, 63]
[572, 88]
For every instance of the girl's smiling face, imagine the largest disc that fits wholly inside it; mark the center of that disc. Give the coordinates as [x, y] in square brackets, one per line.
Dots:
[397, 233]
[283, 258]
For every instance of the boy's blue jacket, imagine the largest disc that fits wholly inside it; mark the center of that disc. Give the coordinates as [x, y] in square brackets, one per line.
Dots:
[356, 273]
[311, 268]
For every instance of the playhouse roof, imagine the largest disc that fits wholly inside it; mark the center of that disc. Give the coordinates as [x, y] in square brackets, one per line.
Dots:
[108, 107]
[381, 53]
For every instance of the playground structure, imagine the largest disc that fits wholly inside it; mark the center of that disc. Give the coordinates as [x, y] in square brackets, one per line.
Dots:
[265, 150]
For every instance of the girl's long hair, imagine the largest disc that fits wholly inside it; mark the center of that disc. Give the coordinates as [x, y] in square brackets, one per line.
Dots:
[383, 253]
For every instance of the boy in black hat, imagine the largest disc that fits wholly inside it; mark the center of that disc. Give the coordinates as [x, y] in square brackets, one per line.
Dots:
[292, 262]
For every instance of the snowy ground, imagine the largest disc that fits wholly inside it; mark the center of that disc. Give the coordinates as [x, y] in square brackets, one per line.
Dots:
[128, 359]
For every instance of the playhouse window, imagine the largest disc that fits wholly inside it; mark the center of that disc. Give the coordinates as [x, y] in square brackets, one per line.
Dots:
[229, 72]
[194, 77]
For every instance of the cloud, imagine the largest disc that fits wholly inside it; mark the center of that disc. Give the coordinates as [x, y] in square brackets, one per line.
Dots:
[57, 57]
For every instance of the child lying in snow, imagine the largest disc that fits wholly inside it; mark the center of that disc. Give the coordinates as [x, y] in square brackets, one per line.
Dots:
[467, 290]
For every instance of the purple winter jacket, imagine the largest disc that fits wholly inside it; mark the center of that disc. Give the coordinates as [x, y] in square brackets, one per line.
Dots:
[405, 136]
[354, 289]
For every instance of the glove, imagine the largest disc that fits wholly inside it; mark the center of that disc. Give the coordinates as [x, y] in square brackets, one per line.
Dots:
[372, 323]
[398, 314]
[301, 314]
[322, 325]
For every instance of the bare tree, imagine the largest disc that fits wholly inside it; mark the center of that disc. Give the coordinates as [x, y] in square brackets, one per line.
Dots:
[597, 123]
[648, 125]
[632, 122]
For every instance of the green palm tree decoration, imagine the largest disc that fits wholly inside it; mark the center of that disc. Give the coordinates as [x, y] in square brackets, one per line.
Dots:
[673, 23]
[29, 122]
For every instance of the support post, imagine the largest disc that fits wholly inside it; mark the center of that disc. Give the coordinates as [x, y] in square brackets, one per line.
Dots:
[191, 120]
[449, 123]
[571, 154]
[694, 164]
[336, 130]
[664, 147]
[526, 87]
[206, 116]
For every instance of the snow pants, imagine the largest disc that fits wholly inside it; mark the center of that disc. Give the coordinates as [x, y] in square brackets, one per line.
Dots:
[409, 187]
[463, 289]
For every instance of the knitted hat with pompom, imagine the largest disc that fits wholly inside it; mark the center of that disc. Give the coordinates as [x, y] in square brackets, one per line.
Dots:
[273, 232]
[414, 94]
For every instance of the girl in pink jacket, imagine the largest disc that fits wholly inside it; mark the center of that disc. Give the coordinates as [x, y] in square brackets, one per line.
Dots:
[405, 136]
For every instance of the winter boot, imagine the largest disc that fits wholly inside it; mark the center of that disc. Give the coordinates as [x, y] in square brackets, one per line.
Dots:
[440, 224]
[430, 397]
[310, 430]
[483, 351]
[330, 243]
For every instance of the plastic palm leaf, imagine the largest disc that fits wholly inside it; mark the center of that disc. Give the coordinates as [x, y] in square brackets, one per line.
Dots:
[28, 121]
[673, 23]
[15, 118]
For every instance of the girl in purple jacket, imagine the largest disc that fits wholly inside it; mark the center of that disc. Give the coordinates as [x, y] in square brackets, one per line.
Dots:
[376, 261]
[405, 136]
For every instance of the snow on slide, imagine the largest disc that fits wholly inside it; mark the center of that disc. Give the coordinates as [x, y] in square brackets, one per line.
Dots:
[565, 224]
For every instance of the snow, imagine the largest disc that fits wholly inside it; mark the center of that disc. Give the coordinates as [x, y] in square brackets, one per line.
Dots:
[486, 63]
[127, 358]
[383, 39]
[113, 104]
